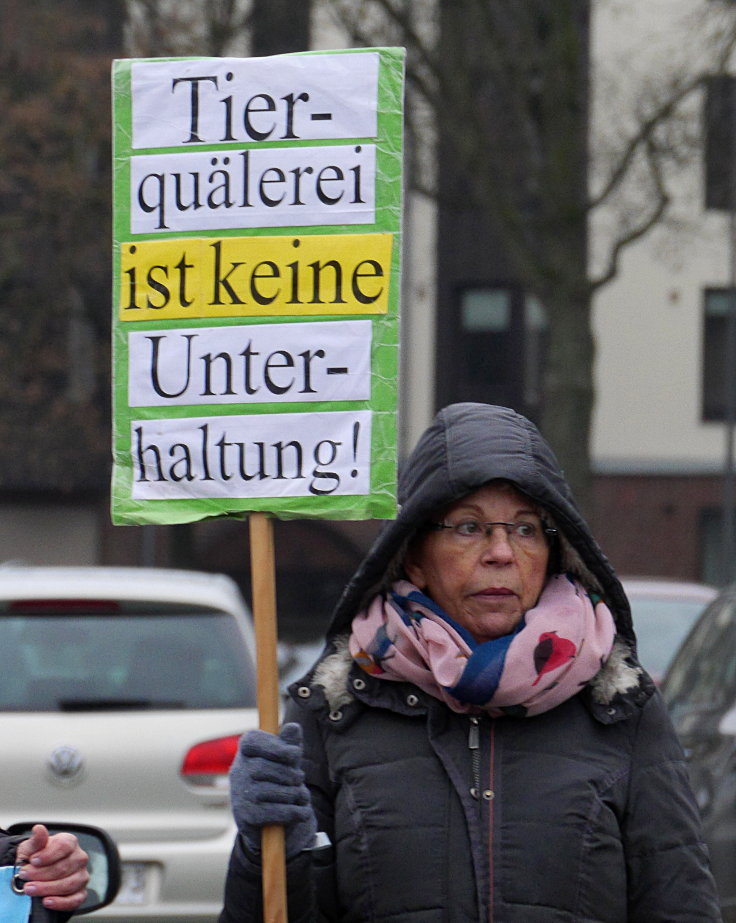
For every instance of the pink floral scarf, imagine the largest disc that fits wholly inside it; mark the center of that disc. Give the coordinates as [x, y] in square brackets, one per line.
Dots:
[557, 648]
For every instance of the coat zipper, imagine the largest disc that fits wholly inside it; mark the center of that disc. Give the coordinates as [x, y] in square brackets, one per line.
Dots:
[474, 747]
[487, 795]
[491, 794]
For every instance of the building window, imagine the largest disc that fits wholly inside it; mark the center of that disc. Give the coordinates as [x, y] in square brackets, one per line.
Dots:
[535, 350]
[499, 348]
[279, 26]
[711, 566]
[715, 347]
[720, 142]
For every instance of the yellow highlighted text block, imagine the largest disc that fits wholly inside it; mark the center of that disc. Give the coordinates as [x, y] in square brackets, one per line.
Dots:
[255, 276]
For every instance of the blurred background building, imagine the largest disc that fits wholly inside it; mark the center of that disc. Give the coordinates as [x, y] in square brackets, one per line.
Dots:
[588, 237]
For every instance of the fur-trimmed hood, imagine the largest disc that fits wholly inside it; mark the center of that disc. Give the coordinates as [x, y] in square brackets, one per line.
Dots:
[466, 446]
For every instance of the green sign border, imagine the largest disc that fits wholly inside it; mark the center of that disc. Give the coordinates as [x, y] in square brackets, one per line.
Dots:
[380, 503]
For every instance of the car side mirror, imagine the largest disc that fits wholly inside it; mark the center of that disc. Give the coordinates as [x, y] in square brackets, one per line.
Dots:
[103, 865]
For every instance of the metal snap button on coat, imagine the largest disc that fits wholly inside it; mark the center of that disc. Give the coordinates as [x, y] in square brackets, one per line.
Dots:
[335, 715]
[412, 699]
[488, 795]
[359, 684]
[304, 692]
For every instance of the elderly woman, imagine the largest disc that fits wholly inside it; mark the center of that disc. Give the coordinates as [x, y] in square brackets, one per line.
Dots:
[479, 740]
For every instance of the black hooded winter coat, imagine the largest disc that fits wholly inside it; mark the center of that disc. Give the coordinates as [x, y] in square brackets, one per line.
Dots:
[582, 814]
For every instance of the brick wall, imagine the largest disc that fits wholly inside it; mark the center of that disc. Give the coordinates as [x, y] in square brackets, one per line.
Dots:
[651, 524]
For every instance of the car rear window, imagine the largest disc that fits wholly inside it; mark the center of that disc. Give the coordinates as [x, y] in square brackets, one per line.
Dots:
[703, 675]
[94, 656]
[661, 624]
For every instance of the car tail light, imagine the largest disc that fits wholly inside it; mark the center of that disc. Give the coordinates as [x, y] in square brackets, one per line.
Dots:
[208, 763]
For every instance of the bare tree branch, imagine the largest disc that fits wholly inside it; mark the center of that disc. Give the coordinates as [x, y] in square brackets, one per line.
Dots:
[641, 228]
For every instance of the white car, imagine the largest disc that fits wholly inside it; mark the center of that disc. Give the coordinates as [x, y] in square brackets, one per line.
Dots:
[663, 611]
[123, 694]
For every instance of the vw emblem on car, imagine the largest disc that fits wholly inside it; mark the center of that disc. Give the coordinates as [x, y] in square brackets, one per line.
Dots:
[66, 766]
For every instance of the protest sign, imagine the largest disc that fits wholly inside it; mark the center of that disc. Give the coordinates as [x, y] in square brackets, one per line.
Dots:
[257, 221]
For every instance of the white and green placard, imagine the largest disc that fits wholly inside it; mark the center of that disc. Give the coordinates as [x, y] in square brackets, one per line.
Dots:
[256, 263]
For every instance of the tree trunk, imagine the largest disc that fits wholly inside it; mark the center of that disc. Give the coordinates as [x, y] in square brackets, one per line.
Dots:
[568, 392]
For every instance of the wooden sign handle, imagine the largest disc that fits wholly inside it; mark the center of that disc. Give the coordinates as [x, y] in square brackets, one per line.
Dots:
[263, 580]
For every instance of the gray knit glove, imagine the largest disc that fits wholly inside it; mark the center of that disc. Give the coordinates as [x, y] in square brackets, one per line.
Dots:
[267, 787]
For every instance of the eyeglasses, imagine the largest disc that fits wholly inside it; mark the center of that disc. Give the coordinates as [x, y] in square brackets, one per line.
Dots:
[522, 534]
